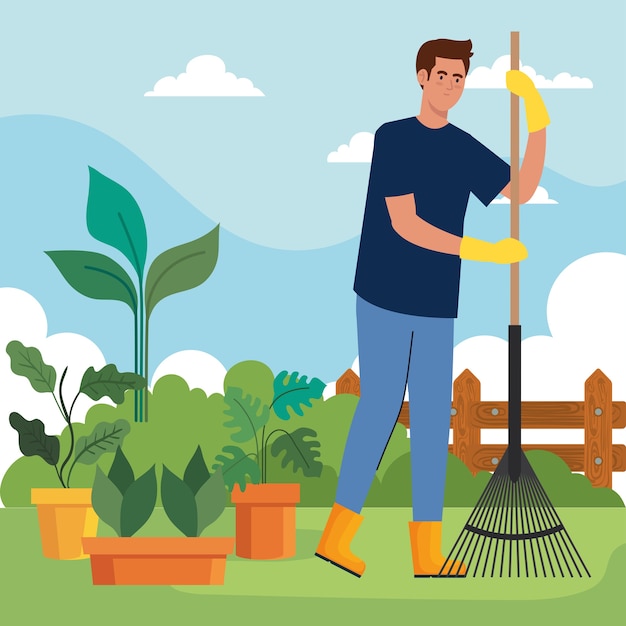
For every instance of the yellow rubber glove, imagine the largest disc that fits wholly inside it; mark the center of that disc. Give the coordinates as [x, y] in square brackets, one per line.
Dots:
[522, 85]
[504, 251]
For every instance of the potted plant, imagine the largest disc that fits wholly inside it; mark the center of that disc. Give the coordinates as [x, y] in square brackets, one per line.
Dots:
[126, 503]
[265, 512]
[65, 514]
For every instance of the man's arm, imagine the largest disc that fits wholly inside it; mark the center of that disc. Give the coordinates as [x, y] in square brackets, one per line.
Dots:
[532, 167]
[537, 119]
[414, 229]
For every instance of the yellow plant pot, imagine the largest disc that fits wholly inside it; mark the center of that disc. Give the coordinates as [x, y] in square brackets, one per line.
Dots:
[65, 517]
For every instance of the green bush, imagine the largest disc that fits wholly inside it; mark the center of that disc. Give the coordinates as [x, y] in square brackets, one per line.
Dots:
[183, 418]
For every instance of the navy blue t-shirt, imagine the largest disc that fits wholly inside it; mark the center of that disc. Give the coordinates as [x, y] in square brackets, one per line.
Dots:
[440, 167]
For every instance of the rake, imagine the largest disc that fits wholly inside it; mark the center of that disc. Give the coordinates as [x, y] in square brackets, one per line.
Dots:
[514, 530]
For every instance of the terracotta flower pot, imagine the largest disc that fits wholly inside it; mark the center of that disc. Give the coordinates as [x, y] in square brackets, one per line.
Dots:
[265, 520]
[65, 517]
[158, 560]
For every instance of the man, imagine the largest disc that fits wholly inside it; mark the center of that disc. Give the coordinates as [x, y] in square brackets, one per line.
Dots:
[407, 285]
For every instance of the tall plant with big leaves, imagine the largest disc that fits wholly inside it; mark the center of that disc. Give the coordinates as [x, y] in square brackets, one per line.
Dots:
[114, 218]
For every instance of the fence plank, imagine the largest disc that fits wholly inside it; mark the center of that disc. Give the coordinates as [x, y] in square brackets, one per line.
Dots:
[539, 414]
[598, 433]
[466, 392]
[572, 454]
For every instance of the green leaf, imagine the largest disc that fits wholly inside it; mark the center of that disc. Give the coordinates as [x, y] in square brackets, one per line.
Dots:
[290, 392]
[181, 268]
[109, 382]
[138, 503]
[179, 503]
[197, 473]
[105, 437]
[248, 414]
[106, 500]
[114, 218]
[237, 467]
[121, 473]
[211, 500]
[27, 362]
[300, 453]
[95, 275]
[33, 441]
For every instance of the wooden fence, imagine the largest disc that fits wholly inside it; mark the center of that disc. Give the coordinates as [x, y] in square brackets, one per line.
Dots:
[598, 415]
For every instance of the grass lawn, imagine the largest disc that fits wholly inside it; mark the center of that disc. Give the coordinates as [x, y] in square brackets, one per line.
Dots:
[307, 590]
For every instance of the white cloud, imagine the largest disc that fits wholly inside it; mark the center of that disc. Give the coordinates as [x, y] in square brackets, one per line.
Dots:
[199, 369]
[494, 77]
[587, 332]
[540, 196]
[206, 75]
[358, 151]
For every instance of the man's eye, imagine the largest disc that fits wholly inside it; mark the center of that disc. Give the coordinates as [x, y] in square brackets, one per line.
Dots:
[440, 77]
[458, 79]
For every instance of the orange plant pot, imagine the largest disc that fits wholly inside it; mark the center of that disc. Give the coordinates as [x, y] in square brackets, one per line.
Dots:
[158, 560]
[65, 517]
[265, 520]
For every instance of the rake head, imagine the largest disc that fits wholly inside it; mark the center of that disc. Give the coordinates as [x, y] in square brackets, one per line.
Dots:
[514, 530]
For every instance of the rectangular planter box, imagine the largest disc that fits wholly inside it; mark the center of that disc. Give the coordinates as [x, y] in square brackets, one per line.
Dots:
[158, 560]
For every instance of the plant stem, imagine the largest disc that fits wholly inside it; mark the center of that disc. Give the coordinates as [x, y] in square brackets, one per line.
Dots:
[137, 391]
[59, 476]
[142, 348]
[68, 419]
[145, 355]
[263, 458]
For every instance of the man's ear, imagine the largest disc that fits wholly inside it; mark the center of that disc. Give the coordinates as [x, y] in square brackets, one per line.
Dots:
[422, 77]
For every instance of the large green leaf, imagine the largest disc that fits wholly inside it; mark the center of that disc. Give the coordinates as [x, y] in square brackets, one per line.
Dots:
[237, 467]
[179, 503]
[290, 392]
[28, 362]
[106, 500]
[33, 440]
[95, 275]
[138, 503]
[121, 473]
[299, 452]
[105, 437]
[114, 218]
[211, 500]
[196, 473]
[181, 268]
[109, 382]
[248, 414]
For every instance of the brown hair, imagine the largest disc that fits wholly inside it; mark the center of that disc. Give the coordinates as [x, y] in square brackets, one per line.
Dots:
[444, 48]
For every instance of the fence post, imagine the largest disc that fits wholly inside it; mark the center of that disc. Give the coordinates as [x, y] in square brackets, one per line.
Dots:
[466, 391]
[598, 455]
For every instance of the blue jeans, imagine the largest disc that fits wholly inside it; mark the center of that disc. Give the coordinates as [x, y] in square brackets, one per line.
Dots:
[396, 350]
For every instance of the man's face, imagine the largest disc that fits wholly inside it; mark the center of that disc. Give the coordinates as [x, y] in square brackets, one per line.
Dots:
[444, 87]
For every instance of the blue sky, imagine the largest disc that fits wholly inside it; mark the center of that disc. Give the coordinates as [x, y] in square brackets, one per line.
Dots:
[328, 70]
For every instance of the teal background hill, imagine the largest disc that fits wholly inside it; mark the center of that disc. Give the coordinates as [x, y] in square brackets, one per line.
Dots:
[293, 310]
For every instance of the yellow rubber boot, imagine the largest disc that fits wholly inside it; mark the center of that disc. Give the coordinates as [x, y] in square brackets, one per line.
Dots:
[426, 551]
[334, 545]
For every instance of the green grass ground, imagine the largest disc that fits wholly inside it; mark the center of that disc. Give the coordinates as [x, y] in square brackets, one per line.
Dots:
[307, 590]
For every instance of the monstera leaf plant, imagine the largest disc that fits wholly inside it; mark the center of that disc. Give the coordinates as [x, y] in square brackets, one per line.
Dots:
[114, 218]
[105, 437]
[263, 428]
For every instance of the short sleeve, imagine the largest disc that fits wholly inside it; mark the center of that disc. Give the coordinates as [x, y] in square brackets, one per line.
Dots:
[489, 174]
[390, 170]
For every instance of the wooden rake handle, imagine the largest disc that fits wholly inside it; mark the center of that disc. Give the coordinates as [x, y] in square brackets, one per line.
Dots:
[515, 288]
